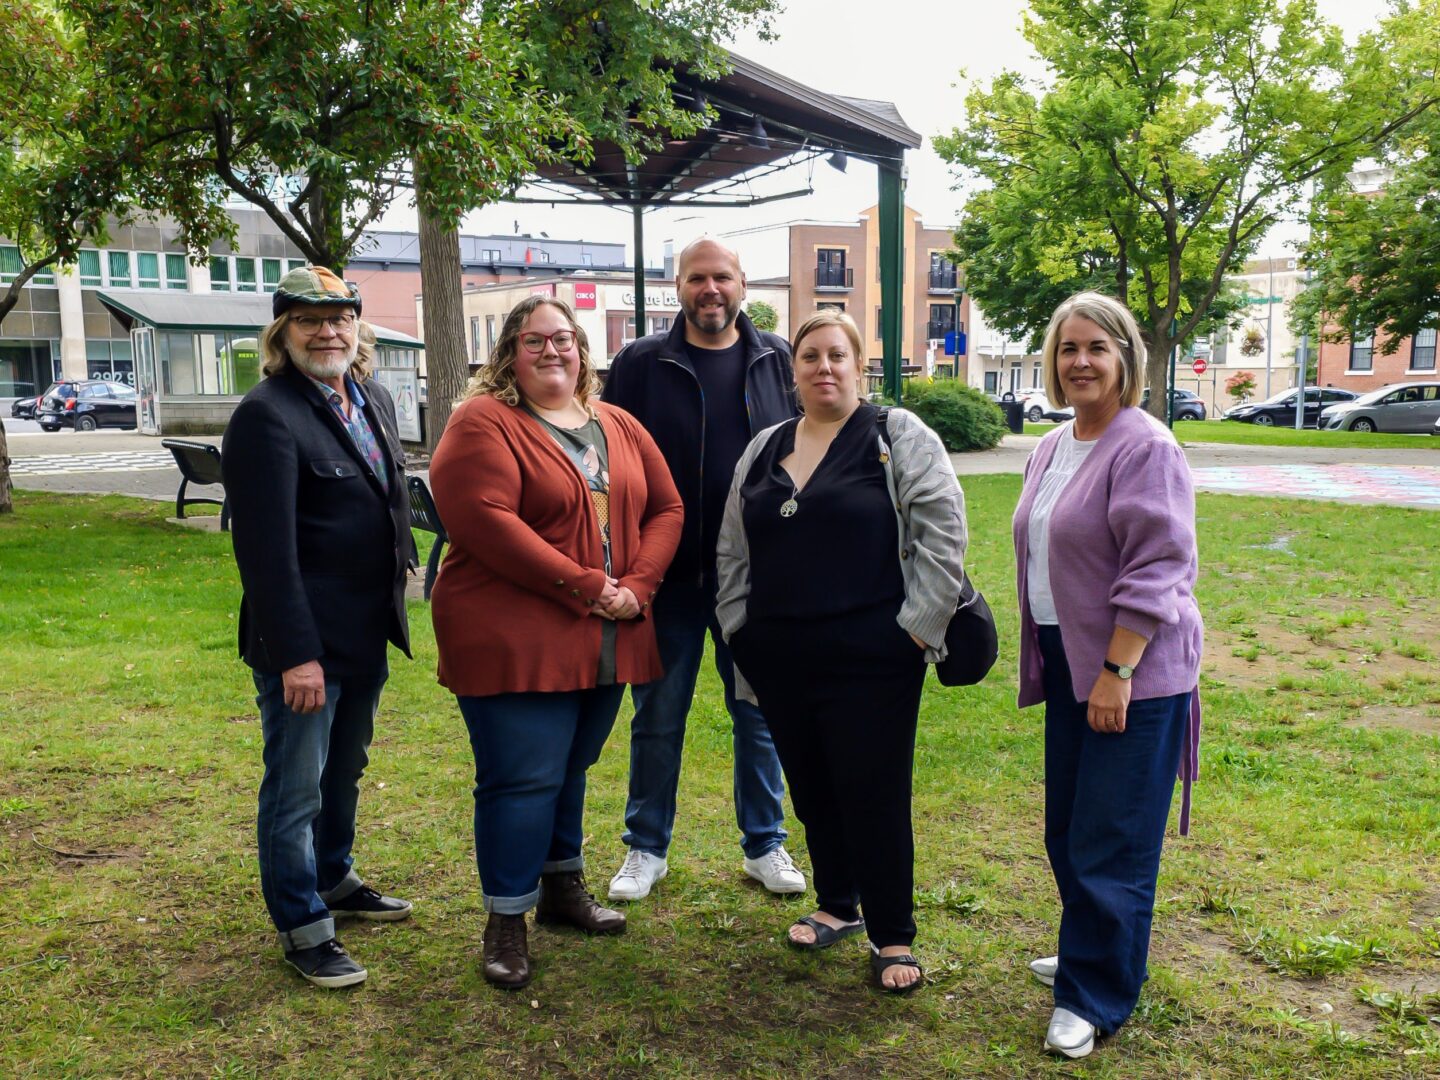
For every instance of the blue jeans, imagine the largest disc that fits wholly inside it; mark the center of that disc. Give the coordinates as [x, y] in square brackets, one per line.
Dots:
[1107, 798]
[683, 614]
[306, 824]
[531, 754]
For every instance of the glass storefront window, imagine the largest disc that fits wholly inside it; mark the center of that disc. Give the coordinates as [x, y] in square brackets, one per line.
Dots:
[175, 272]
[119, 269]
[147, 269]
[25, 367]
[89, 266]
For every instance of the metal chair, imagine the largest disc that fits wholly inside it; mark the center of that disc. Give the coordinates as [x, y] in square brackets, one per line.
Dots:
[199, 463]
[425, 517]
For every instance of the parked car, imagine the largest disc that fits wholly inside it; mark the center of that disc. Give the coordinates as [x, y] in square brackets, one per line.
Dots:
[86, 404]
[1280, 408]
[23, 408]
[1187, 404]
[1400, 407]
[1037, 405]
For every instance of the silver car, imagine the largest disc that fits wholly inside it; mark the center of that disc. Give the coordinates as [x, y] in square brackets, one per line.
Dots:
[1400, 407]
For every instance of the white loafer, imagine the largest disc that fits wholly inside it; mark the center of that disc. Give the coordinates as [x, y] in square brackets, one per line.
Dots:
[1069, 1035]
[1045, 968]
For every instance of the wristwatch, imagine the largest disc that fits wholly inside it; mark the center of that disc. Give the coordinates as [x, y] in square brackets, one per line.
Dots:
[1124, 671]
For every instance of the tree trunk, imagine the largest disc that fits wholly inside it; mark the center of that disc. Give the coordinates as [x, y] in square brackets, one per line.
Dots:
[5, 505]
[1157, 373]
[443, 315]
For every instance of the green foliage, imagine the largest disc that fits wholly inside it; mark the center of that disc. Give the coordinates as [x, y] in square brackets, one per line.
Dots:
[1168, 141]
[317, 111]
[1312, 957]
[1241, 385]
[763, 315]
[963, 417]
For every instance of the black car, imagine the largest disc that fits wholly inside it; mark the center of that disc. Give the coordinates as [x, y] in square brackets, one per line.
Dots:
[1280, 408]
[23, 408]
[1187, 405]
[86, 404]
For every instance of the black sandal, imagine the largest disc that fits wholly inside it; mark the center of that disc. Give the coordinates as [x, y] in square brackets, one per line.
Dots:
[878, 965]
[825, 936]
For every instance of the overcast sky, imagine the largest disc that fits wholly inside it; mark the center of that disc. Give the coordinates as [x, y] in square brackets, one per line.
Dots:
[920, 54]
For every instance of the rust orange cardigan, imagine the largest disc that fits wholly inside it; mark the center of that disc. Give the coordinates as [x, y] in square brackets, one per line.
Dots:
[512, 603]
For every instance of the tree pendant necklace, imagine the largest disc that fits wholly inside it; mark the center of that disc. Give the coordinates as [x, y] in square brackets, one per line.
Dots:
[789, 506]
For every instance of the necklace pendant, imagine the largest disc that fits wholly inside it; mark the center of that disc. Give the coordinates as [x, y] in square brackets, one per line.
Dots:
[788, 508]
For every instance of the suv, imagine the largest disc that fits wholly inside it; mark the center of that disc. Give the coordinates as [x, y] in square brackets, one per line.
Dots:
[86, 404]
[1187, 404]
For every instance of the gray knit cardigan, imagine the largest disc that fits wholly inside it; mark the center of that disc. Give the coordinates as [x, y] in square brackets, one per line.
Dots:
[929, 513]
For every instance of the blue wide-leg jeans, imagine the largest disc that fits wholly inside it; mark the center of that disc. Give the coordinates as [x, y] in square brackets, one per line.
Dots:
[682, 615]
[1107, 799]
[306, 823]
[532, 751]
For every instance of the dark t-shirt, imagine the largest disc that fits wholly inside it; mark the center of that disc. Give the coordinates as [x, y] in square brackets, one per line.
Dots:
[829, 548]
[727, 432]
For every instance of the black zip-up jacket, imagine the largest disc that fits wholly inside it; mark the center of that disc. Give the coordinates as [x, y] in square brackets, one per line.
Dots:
[652, 379]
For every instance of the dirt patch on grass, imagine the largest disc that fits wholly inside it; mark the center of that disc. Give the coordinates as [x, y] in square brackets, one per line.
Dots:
[1422, 719]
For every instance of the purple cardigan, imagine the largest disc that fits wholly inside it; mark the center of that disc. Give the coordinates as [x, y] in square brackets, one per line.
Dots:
[1122, 553]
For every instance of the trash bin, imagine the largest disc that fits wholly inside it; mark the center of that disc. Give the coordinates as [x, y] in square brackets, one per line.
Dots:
[1014, 414]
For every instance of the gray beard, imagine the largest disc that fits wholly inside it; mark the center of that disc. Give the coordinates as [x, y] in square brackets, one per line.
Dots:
[321, 369]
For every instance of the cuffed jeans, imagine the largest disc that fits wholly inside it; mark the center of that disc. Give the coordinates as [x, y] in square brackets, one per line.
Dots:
[306, 824]
[1107, 799]
[531, 754]
[682, 615]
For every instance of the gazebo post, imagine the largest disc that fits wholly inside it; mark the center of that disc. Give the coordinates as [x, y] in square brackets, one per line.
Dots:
[892, 271]
[639, 212]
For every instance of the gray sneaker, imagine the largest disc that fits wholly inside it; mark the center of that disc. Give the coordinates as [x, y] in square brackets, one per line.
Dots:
[327, 965]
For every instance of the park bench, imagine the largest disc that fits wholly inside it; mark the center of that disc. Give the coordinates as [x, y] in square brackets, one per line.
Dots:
[199, 463]
[425, 517]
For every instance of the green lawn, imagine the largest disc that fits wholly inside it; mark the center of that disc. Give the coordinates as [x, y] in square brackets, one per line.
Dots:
[1298, 930]
[1230, 431]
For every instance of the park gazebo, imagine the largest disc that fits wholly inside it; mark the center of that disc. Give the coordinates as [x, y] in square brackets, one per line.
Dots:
[764, 124]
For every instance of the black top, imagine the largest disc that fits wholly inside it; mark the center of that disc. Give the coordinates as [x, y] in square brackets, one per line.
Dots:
[727, 432]
[654, 381]
[837, 550]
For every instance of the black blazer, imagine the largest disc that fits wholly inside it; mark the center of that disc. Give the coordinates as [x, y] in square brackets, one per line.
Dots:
[322, 549]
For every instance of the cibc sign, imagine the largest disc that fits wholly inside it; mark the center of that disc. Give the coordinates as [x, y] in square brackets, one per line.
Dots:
[585, 297]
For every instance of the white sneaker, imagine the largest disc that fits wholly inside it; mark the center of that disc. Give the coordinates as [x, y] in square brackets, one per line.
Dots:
[1069, 1035]
[776, 871]
[637, 875]
[1045, 968]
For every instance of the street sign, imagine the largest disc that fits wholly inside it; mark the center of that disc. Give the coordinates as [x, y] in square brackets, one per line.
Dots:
[955, 343]
[1264, 299]
[1200, 365]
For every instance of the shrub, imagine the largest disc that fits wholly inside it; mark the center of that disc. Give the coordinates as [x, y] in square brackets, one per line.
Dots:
[763, 315]
[1240, 385]
[963, 417]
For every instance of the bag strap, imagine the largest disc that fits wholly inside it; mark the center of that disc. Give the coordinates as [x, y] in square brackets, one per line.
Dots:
[882, 418]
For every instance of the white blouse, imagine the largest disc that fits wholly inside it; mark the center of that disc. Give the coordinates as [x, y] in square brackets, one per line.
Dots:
[1070, 454]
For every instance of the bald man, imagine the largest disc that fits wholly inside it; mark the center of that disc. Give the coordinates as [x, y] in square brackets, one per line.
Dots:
[703, 391]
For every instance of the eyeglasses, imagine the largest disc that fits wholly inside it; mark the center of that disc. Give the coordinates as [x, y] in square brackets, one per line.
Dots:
[311, 324]
[535, 343]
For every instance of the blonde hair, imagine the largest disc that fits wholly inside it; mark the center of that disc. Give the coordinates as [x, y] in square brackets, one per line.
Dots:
[275, 357]
[831, 317]
[497, 376]
[1119, 325]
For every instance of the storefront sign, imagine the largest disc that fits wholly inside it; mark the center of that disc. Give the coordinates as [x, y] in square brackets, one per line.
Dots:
[584, 297]
[654, 298]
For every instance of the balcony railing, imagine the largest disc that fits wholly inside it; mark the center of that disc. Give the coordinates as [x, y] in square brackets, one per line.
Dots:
[942, 280]
[937, 330]
[834, 277]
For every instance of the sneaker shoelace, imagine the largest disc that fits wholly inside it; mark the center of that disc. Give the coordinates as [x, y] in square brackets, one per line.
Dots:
[633, 865]
[778, 860]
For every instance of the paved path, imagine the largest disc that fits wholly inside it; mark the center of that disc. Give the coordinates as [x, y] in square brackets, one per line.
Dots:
[105, 462]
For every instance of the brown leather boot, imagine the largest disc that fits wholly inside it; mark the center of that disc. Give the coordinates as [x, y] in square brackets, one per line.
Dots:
[507, 952]
[565, 899]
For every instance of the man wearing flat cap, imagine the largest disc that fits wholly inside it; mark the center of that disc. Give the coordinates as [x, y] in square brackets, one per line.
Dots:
[315, 477]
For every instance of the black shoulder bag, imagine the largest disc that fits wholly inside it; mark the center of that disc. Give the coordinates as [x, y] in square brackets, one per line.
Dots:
[971, 643]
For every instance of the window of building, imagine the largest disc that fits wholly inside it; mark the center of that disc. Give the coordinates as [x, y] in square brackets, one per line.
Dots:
[219, 273]
[294, 264]
[879, 322]
[1422, 350]
[492, 331]
[544, 257]
[830, 270]
[119, 265]
[1362, 352]
[941, 321]
[147, 269]
[245, 275]
[475, 339]
[270, 274]
[490, 255]
[992, 382]
[110, 360]
[830, 305]
[586, 259]
[175, 277]
[89, 266]
[12, 266]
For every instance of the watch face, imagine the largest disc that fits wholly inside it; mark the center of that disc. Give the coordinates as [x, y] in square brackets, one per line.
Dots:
[1126, 671]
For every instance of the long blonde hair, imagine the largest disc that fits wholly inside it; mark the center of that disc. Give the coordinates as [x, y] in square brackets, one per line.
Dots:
[275, 358]
[497, 376]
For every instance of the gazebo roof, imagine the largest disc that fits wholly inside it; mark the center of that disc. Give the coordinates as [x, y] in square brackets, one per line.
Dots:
[765, 123]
